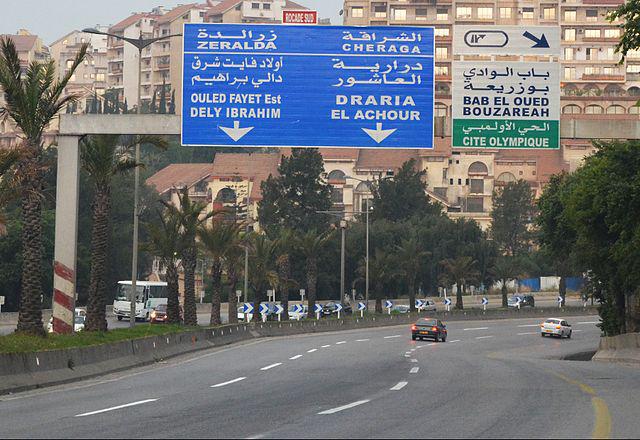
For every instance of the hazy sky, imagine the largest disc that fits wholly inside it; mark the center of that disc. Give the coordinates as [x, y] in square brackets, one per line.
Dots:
[51, 19]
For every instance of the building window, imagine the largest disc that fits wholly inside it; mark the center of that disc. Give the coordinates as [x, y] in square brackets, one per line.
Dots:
[591, 53]
[226, 195]
[485, 13]
[441, 70]
[633, 68]
[593, 110]
[592, 33]
[266, 6]
[506, 177]
[357, 12]
[569, 73]
[549, 13]
[568, 53]
[337, 176]
[505, 12]
[337, 195]
[421, 14]
[255, 5]
[477, 186]
[612, 33]
[570, 15]
[400, 14]
[441, 32]
[100, 77]
[442, 14]
[610, 53]
[571, 109]
[634, 110]
[440, 110]
[592, 14]
[591, 70]
[569, 35]
[463, 12]
[475, 204]
[527, 13]
[442, 53]
[380, 11]
[615, 110]
[69, 64]
[478, 168]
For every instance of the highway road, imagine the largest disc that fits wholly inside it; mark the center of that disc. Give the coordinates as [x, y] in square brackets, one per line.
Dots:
[490, 379]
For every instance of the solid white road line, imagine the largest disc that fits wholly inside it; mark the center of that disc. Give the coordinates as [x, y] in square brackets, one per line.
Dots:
[228, 383]
[391, 337]
[269, 367]
[342, 408]
[398, 386]
[298, 356]
[527, 333]
[414, 370]
[325, 346]
[483, 337]
[341, 342]
[589, 322]
[576, 330]
[455, 340]
[529, 325]
[312, 350]
[116, 408]
[433, 343]
[362, 340]
[474, 329]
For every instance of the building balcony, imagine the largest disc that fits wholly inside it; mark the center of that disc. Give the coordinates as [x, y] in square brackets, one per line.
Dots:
[602, 77]
[600, 40]
[603, 2]
[163, 66]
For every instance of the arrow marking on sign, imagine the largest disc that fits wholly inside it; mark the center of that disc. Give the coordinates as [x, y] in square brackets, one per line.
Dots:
[379, 134]
[236, 133]
[539, 42]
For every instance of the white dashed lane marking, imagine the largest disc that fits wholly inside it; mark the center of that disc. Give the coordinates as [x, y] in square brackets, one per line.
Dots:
[398, 386]
[527, 333]
[394, 336]
[325, 346]
[312, 350]
[228, 382]
[362, 340]
[269, 367]
[474, 329]
[342, 408]
[414, 370]
[114, 408]
[528, 325]
[483, 337]
[455, 340]
[298, 356]
[341, 342]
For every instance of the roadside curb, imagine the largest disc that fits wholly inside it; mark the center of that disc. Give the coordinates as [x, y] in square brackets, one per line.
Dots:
[622, 348]
[24, 371]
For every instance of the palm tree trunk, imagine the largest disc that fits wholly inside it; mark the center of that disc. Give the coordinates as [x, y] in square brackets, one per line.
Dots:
[189, 265]
[96, 313]
[30, 316]
[412, 294]
[173, 301]
[562, 289]
[233, 299]
[504, 293]
[312, 281]
[216, 294]
[459, 303]
[378, 305]
[285, 275]
[256, 304]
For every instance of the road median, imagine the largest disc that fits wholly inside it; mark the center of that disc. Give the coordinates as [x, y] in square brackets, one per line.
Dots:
[622, 348]
[20, 371]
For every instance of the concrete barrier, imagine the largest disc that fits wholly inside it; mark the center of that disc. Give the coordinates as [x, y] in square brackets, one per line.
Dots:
[621, 348]
[23, 371]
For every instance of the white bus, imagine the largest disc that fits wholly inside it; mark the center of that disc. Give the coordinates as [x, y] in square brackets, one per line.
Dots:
[149, 294]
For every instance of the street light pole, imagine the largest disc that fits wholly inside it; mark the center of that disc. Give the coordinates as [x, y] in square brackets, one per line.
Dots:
[343, 227]
[366, 288]
[140, 44]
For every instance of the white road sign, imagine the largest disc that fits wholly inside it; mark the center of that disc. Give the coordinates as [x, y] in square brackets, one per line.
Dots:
[506, 40]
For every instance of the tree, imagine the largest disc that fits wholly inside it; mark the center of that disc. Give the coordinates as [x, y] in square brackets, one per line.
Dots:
[460, 271]
[164, 242]
[32, 100]
[285, 245]
[556, 235]
[402, 197]
[291, 199]
[629, 14]
[411, 256]
[311, 244]
[162, 106]
[219, 239]
[192, 216]
[511, 217]
[505, 269]
[103, 159]
[172, 104]
[153, 108]
[382, 271]
[8, 159]
[262, 274]
[234, 262]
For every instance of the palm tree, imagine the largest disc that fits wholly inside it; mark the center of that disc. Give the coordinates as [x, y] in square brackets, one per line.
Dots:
[261, 268]
[506, 268]
[192, 216]
[103, 159]
[32, 100]
[411, 256]
[382, 270]
[218, 239]
[460, 271]
[164, 243]
[285, 244]
[311, 244]
[234, 262]
[8, 158]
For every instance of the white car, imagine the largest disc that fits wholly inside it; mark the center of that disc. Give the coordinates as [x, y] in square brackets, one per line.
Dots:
[429, 306]
[555, 327]
[297, 316]
[78, 321]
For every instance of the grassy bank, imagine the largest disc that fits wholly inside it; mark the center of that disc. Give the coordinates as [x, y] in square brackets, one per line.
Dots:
[21, 343]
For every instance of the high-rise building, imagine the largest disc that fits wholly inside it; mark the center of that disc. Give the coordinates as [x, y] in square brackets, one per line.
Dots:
[594, 86]
[250, 11]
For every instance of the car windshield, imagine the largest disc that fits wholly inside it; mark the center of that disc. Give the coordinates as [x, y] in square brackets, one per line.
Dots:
[79, 320]
[161, 308]
[427, 322]
[552, 321]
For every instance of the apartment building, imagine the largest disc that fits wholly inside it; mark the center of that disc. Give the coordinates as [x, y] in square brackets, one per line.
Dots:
[30, 48]
[90, 78]
[250, 11]
[594, 86]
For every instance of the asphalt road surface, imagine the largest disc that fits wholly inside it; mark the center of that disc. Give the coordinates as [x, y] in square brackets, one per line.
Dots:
[490, 379]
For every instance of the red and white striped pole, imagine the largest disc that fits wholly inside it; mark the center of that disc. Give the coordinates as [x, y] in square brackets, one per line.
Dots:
[64, 274]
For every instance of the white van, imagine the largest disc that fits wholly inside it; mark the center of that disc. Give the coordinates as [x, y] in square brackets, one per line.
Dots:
[149, 294]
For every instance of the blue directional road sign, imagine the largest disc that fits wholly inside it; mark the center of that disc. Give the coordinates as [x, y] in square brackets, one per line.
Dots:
[339, 307]
[560, 300]
[317, 308]
[419, 303]
[361, 306]
[264, 308]
[298, 308]
[279, 309]
[388, 304]
[447, 302]
[485, 301]
[314, 86]
[247, 308]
